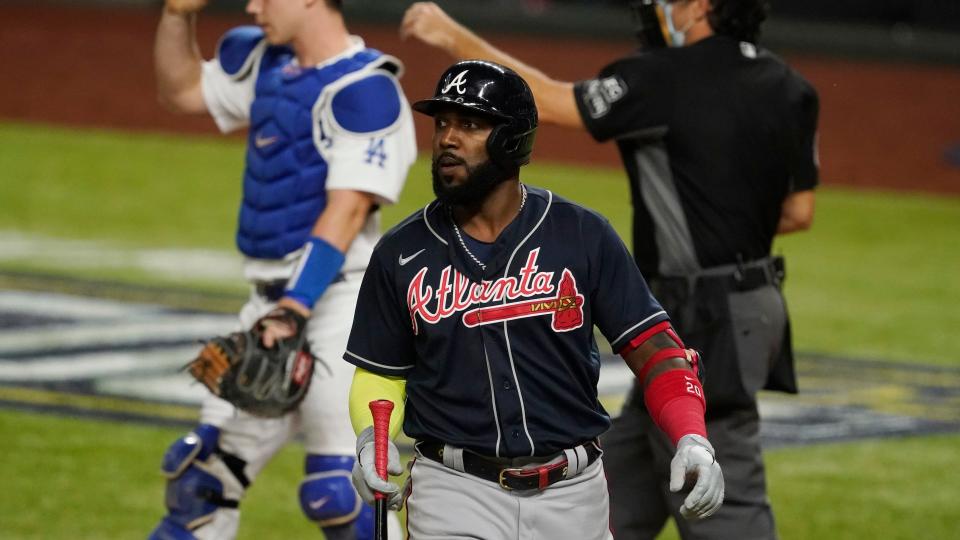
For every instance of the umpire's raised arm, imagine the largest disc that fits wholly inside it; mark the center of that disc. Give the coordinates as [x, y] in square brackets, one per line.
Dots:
[427, 22]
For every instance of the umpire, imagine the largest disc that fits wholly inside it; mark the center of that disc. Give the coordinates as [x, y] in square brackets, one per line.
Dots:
[718, 138]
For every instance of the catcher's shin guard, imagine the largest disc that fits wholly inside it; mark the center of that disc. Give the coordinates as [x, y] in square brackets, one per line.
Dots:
[326, 494]
[168, 529]
[200, 486]
[327, 497]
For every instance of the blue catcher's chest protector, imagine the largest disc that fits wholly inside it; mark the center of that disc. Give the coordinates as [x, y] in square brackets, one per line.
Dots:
[284, 183]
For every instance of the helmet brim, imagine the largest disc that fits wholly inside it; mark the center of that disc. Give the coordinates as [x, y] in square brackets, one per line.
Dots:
[430, 107]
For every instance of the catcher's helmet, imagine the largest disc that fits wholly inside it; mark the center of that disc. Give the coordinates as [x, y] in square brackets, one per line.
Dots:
[494, 91]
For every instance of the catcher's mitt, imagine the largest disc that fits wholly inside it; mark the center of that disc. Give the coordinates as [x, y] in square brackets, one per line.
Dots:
[265, 382]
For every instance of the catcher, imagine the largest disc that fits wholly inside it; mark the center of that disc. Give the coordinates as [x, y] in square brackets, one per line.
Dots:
[330, 141]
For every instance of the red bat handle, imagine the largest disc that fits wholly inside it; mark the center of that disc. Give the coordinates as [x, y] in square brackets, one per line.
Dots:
[381, 409]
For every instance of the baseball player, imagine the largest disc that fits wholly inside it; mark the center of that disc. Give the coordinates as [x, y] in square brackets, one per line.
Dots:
[330, 140]
[476, 318]
[718, 138]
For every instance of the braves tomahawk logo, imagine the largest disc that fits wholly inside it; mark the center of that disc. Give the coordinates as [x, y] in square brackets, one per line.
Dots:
[456, 293]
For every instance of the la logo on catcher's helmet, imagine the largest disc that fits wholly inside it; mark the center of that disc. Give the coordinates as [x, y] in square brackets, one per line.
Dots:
[496, 92]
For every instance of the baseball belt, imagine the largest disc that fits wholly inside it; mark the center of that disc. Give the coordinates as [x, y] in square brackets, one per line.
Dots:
[731, 277]
[528, 477]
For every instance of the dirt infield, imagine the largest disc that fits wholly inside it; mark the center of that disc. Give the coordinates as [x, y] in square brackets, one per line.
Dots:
[882, 125]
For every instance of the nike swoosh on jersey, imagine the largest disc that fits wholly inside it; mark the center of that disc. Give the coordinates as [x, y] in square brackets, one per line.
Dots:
[263, 142]
[317, 504]
[405, 260]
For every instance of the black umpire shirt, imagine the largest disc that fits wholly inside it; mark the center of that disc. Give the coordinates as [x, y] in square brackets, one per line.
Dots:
[714, 136]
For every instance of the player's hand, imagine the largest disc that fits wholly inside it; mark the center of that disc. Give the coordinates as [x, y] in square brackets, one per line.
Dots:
[365, 477]
[183, 7]
[695, 460]
[277, 328]
[431, 25]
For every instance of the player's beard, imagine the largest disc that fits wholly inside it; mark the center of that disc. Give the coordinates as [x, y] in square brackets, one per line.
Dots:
[481, 181]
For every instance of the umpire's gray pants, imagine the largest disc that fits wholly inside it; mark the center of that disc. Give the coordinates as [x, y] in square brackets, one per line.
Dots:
[742, 334]
[641, 501]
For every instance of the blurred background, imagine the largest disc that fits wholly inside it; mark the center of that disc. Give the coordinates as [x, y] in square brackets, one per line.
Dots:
[116, 256]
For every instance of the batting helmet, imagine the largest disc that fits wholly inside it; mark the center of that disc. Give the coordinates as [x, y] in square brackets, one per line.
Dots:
[496, 92]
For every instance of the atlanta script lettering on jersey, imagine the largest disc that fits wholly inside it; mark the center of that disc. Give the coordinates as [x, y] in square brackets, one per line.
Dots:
[455, 293]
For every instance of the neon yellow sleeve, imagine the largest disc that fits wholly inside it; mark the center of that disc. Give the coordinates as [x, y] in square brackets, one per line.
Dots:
[368, 387]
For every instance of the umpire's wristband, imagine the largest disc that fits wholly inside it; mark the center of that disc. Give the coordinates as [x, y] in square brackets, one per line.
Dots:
[318, 267]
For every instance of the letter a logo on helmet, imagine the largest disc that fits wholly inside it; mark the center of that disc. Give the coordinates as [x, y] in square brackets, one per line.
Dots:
[457, 82]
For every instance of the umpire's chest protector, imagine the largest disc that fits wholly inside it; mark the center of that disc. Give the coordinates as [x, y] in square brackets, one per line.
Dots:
[284, 183]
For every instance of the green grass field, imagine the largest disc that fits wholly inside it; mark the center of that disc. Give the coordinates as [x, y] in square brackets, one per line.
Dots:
[875, 278]
[89, 479]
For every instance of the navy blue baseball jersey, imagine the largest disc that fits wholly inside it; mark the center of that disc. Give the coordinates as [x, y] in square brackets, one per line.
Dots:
[502, 360]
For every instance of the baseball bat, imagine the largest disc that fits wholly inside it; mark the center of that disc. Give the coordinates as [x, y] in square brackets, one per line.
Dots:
[381, 410]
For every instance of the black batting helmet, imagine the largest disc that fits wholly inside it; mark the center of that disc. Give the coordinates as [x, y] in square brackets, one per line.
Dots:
[494, 91]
